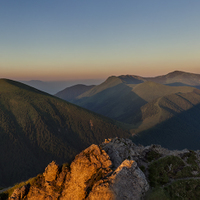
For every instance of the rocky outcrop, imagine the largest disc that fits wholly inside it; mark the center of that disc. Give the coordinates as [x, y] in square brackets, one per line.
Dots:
[20, 193]
[92, 175]
[51, 172]
[89, 166]
[116, 170]
[120, 149]
[126, 182]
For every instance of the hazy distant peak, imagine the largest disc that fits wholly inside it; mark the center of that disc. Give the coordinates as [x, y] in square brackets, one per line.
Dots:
[80, 86]
[39, 81]
[70, 93]
[131, 79]
[182, 74]
[177, 73]
[112, 80]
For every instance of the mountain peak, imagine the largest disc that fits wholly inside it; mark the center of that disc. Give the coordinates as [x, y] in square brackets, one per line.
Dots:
[176, 73]
[131, 79]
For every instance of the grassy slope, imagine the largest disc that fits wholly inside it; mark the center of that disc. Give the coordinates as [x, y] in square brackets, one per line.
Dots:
[178, 77]
[72, 92]
[119, 99]
[151, 90]
[109, 83]
[113, 99]
[163, 108]
[174, 122]
[36, 128]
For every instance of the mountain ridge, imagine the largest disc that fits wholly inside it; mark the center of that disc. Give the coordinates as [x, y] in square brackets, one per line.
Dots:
[150, 109]
[116, 99]
[36, 127]
[72, 92]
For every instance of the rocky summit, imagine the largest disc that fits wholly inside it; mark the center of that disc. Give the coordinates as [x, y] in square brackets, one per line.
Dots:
[116, 170]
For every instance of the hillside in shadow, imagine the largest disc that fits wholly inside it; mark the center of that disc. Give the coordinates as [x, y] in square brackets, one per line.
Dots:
[179, 132]
[118, 102]
[36, 128]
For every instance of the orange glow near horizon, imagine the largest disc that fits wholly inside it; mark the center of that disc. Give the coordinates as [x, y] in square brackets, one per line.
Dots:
[100, 72]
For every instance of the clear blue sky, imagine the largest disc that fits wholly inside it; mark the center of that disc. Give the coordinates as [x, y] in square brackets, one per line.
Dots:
[82, 39]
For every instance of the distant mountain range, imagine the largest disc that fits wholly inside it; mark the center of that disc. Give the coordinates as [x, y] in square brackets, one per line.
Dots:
[36, 128]
[71, 93]
[178, 78]
[162, 110]
[52, 87]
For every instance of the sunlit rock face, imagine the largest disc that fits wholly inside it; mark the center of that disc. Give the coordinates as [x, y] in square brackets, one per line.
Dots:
[92, 175]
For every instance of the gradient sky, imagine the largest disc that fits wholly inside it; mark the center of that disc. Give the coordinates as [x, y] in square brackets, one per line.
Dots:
[84, 39]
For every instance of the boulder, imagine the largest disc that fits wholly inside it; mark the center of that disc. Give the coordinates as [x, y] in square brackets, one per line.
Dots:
[126, 182]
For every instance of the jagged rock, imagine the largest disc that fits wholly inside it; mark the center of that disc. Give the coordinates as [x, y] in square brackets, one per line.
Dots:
[47, 185]
[20, 193]
[89, 166]
[64, 175]
[127, 182]
[51, 172]
[95, 174]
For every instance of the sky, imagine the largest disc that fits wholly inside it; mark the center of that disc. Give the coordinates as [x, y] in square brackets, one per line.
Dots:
[53, 40]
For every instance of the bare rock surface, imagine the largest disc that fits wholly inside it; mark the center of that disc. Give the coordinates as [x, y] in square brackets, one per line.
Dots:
[109, 171]
[127, 182]
[120, 149]
[51, 172]
[89, 166]
[19, 193]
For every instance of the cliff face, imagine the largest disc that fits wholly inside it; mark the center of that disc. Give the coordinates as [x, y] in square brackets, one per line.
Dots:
[117, 170]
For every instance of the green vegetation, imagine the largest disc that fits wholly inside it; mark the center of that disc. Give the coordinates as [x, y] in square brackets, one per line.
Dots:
[155, 113]
[171, 178]
[152, 155]
[174, 126]
[160, 171]
[72, 92]
[173, 167]
[157, 193]
[192, 168]
[120, 97]
[184, 189]
[36, 128]
[181, 189]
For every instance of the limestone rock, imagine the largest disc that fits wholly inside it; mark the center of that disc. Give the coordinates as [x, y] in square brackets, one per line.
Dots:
[106, 172]
[64, 175]
[120, 149]
[89, 166]
[51, 172]
[127, 182]
[20, 193]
